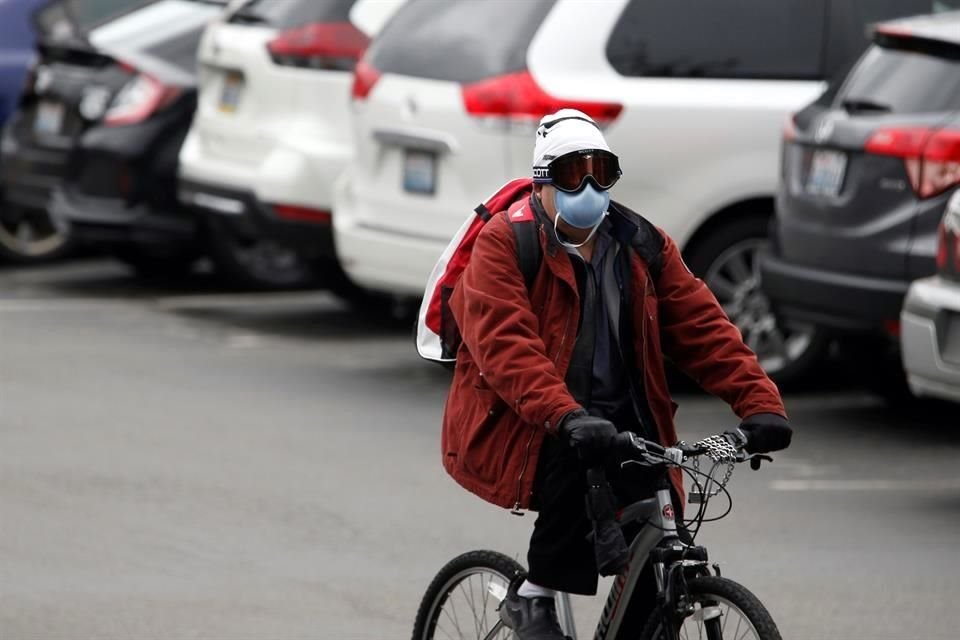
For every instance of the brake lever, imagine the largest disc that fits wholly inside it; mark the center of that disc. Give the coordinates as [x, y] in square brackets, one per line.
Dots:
[756, 459]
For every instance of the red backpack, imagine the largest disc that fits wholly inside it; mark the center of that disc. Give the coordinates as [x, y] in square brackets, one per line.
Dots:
[438, 336]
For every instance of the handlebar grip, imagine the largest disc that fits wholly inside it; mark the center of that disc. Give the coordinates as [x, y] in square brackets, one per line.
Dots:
[629, 441]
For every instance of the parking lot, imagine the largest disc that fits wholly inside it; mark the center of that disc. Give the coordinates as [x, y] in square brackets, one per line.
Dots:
[178, 461]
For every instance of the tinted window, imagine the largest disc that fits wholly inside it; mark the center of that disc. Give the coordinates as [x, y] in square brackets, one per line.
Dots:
[458, 40]
[868, 11]
[850, 22]
[88, 13]
[69, 18]
[719, 39]
[901, 81]
[286, 14]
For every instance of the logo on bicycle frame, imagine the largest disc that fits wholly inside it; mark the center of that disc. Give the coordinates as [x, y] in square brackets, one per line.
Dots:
[668, 512]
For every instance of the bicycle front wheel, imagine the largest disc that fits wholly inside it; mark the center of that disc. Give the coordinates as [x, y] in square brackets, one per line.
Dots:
[461, 601]
[722, 610]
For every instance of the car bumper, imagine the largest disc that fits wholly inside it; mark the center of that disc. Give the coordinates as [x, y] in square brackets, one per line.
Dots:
[930, 338]
[109, 222]
[836, 301]
[377, 258]
[244, 214]
[29, 173]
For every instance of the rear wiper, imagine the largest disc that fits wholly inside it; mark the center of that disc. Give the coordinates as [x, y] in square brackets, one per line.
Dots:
[863, 104]
[247, 17]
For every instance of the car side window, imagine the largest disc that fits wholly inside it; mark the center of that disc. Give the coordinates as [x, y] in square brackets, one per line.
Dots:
[719, 39]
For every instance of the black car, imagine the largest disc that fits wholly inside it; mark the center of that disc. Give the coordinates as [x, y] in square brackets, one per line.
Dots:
[867, 171]
[95, 141]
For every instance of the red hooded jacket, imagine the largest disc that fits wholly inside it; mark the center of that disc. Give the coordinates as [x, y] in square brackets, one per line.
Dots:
[508, 391]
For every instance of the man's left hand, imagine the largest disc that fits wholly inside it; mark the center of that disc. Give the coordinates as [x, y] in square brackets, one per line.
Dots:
[766, 432]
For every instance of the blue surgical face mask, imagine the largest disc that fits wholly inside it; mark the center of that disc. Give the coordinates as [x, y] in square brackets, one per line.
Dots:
[584, 209]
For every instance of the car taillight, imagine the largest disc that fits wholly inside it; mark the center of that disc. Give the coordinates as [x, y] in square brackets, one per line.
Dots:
[790, 129]
[517, 95]
[139, 99]
[931, 156]
[296, 213]
[942, 239]
[335, 46]
[364, 77]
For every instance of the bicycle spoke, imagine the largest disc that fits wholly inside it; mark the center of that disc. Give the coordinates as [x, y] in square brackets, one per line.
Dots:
[456, 619]
[473, 607]
[465, 597]
[736, 633]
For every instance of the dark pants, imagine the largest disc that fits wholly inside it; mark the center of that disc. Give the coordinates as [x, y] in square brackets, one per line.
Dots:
[561, 557]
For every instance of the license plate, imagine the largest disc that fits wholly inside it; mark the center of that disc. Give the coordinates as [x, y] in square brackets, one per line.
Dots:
[232, 88]
[49, 118]
[419, 171]
[826, 173]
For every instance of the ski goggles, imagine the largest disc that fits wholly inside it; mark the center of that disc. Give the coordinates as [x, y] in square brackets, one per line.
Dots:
[570, 172]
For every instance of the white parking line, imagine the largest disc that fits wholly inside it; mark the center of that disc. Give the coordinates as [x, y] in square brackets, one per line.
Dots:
[945, 484]
[45, 305]
[242, 300]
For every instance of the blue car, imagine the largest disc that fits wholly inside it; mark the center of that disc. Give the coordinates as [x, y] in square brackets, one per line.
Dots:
[16, 50]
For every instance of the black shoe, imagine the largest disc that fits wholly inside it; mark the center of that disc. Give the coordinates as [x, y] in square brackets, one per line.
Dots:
[530, 618]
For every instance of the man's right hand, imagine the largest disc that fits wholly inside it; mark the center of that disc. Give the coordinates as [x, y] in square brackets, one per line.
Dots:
[584, 431]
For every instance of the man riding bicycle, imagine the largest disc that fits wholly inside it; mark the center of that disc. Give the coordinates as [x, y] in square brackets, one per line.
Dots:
[547, 374]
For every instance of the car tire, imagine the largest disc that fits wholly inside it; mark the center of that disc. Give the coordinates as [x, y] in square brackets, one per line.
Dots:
[257, 263]
[725, 256]
[876, 364]
[30, 236]
[150, 267]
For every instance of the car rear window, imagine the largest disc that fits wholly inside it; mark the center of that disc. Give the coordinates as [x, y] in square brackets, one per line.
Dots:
[719, 39]
[899, 80]
[79, 16]
[287, 14]
[458, 40]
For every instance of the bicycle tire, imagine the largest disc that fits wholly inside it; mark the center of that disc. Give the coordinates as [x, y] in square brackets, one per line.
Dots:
[725, 591]
[446, 580]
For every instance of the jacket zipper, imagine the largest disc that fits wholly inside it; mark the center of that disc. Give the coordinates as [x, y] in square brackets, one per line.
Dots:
[523, 469]
[526, 456]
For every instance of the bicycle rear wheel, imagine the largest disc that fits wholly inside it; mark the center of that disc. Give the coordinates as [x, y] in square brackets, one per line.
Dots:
[461, 601]
[723, 610]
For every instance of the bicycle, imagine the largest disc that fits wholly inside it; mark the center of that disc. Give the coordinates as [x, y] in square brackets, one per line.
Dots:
[691, 602]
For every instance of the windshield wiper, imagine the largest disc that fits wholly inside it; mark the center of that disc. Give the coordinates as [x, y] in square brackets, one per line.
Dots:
[852, 105]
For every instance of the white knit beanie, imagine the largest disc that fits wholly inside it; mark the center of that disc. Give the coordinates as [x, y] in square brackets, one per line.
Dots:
[562, 132]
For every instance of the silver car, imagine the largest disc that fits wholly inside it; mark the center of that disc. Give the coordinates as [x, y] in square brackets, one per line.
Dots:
[930, 320]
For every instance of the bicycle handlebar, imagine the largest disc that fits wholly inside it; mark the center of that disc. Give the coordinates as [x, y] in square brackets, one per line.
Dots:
[682, 451]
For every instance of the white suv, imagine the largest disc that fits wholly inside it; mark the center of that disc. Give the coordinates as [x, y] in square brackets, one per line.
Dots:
[271, 132]
[693, 96]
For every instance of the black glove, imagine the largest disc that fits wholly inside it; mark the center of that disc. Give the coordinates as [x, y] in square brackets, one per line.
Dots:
[582, 430]
[766, 432]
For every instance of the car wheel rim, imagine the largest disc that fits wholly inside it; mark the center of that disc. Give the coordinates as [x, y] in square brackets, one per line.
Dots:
[269, 261]
[30, 235]
[734, 278]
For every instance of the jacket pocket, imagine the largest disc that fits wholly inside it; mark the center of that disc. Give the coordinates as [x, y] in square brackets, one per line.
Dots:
[481, 442]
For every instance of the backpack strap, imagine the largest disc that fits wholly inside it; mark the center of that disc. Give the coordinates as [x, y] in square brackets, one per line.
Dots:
[525, 232]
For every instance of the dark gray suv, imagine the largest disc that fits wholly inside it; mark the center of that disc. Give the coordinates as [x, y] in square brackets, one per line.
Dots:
[866, 173]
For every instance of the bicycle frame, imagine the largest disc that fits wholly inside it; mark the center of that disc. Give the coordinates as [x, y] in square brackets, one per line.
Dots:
[659, 514]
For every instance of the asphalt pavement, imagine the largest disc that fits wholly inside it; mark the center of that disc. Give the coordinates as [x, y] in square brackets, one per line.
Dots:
[178, 461]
